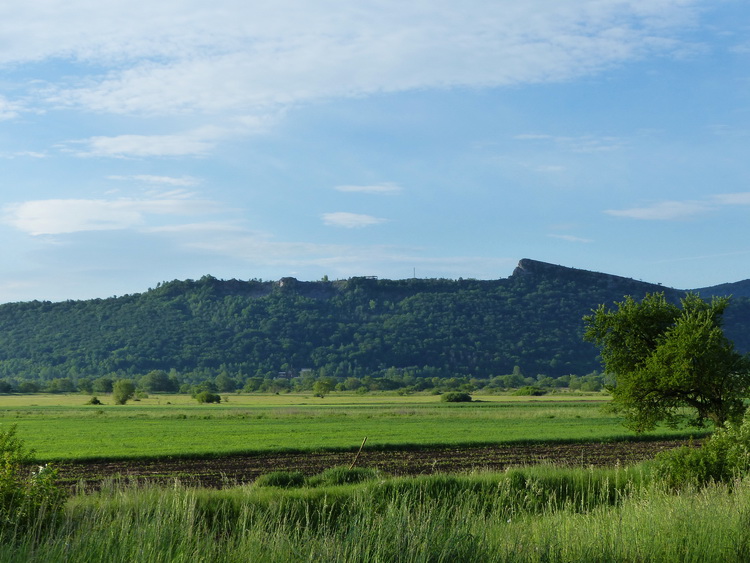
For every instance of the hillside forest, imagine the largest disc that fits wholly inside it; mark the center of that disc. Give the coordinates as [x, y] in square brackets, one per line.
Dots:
[355, 334]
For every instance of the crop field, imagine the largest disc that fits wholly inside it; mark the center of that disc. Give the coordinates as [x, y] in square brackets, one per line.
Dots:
[167, 436]
[63, 428]
[502, 478]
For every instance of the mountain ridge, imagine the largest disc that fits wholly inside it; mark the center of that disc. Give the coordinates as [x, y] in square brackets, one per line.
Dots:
[355, 327]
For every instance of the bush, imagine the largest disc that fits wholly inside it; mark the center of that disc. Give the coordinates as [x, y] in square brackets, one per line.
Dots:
[93, 401]
[283, 479]
[723, 457]
[456, 397]
[122, 391]
[207, 397]
[529, 391]
[27, 498]
[343, 476]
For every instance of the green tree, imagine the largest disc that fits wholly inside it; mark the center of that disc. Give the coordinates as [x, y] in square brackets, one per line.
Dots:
[122, 390]
[157, 380]
[665, 358]
[323, 386]
[102, 385]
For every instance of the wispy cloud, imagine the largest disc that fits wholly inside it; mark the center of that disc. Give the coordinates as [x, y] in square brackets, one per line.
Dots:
[8, 109]
[385, 188]
[193, 143]
[183, 181]
[674, 210]
[173, 58]
[350, 220]
[23, 154]
[571, 238]
[61, 216]
[581, 144]
[662, 211]
[741, 198]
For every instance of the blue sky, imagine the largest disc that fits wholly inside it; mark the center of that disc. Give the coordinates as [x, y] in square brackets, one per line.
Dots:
[148, 141]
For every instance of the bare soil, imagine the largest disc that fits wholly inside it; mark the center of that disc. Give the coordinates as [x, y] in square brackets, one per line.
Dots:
[238, 469]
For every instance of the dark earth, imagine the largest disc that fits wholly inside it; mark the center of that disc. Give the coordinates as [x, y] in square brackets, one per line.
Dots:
[232, 470]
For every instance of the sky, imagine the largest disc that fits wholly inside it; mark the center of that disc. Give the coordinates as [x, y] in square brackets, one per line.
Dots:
[143, 141]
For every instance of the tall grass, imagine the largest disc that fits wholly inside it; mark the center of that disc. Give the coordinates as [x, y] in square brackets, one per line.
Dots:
[534, 514]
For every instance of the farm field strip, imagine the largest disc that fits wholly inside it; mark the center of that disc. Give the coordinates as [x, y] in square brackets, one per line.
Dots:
[218, 472]
[70, 432]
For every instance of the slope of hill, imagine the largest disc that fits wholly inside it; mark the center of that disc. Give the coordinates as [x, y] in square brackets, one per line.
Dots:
[354, 327]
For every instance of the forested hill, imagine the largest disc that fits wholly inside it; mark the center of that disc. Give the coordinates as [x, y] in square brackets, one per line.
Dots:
[354, 327]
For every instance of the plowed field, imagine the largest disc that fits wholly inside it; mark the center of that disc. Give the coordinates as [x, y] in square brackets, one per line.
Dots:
[232, 470]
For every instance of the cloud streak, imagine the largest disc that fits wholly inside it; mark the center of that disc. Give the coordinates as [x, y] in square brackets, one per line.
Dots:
[676, 210]
[350, 220]
[170, 58]
[385, 188]
[571, 238]
[193, 143]
[64, 216]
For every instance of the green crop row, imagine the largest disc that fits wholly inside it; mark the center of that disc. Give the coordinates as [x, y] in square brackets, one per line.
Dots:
[66, 432]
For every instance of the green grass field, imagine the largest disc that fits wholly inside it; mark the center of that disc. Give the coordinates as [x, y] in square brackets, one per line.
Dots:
[62, 427]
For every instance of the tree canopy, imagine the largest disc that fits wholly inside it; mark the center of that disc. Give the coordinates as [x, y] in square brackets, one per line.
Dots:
[667, 359]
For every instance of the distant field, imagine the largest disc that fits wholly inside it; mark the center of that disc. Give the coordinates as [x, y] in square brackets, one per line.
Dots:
[62, 427]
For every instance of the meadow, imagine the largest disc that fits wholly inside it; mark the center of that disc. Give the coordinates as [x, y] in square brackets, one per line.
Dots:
[63, 427]
[533, 513]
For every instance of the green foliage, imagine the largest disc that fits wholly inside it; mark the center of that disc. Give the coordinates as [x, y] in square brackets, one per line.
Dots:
[207, 397]
[723, 457]
[94, 401]
[343, 476]
[27, 497]
[330, 477]
[537, 515]
[665, 358]
[323, 386]
[456, 397]
[283, 479]
[122, 391]
[231, 331]
[529, 391]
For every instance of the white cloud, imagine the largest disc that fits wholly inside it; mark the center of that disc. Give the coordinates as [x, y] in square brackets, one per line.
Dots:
[8, 110]
[173, 57]
[60, 216]
[742, 198]
[159, 180]
[662, 211]
[198, 228]
[23, 154]
[581, 144]
[571, 238]
[194, 143]
[385, 188]
[350, 220]
[671, 210]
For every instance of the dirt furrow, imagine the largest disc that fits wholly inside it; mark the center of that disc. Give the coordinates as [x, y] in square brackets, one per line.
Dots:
[232, 470]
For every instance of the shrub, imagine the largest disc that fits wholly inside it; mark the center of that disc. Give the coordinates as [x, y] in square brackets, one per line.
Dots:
[27, 498]
[529, 391]
[122, 390]
[207, 397]
[93, 401]
[724, 456]
[456, 397]
[343, 476]
[283, 479]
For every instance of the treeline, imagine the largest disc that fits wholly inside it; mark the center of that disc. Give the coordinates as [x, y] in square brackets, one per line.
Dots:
[357, 328]
[400, 381]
